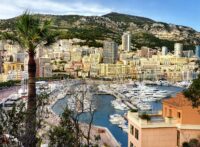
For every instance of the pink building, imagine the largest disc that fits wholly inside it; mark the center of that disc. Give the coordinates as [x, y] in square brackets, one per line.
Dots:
[178, 123]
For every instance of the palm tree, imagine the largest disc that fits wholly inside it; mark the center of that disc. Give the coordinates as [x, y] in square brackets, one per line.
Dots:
[30, 32]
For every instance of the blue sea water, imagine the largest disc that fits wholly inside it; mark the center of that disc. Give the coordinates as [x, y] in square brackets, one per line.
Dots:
[101, 117]
[156, 106]
[104, 109]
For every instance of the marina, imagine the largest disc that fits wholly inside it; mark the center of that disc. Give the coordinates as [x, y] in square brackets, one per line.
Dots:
[137, 95]
[99, 73]
[111, 103]
[111, 109]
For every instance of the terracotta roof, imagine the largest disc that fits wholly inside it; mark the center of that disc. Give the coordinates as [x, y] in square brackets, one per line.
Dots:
[179, 100]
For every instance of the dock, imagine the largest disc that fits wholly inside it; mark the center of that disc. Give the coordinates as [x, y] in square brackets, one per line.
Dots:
[131, 106]
[118, 95]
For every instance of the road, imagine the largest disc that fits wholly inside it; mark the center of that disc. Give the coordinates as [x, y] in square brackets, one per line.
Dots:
[7, 91]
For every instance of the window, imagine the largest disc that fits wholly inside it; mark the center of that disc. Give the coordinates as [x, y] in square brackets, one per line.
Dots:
[170, 112]
[179, 115]
[165, 111]
[131, 144]
[136, 134]
[131, 129]
[178, 138]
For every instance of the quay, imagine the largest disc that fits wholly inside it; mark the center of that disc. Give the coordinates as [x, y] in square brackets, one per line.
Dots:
[118, 95]
[106, 137]
[131, 106]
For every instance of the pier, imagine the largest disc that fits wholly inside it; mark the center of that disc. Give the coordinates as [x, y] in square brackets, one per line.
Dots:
[118, 95]
[131, 106]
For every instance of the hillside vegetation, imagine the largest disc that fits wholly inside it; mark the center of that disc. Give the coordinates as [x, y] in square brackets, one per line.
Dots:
[94, 29]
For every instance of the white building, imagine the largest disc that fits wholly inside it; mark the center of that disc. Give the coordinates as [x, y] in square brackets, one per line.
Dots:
[44, 68]
[178, 49]
[126, 41]
[164, 50]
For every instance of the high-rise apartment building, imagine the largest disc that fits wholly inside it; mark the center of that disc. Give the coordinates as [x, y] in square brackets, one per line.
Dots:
[126, 41]
[178, 49]
[197, 51]
[164, 50]
[110, 52]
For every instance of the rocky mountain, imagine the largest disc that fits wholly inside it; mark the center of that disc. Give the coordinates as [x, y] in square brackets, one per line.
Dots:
[94, 29]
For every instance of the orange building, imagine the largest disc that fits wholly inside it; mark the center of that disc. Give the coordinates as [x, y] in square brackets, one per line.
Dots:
[178, 123]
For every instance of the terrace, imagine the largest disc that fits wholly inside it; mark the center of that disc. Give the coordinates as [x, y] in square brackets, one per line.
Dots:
[151, 120]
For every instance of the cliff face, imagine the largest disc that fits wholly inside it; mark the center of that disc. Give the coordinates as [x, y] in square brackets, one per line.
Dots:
[112, 25]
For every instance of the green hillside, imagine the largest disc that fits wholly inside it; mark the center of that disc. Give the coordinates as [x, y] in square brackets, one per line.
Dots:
[145, 31]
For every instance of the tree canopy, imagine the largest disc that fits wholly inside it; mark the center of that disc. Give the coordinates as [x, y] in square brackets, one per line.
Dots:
[30, 31]
[193, 92]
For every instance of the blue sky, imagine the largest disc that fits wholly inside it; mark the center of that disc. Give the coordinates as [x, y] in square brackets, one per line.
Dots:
[182, 12]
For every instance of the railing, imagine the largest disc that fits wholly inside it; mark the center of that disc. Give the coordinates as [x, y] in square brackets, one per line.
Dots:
[161, 122]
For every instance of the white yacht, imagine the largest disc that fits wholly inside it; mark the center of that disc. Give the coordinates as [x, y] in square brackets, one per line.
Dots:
[117, 104]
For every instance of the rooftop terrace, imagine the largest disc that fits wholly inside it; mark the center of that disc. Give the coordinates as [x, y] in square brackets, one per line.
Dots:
[151, 120]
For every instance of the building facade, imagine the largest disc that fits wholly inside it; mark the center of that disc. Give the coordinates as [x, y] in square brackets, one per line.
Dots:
[44, 67]
[178, 123]
[197, 51]
[110, 52]
[178, 49]
[118, 70]
[126, 41]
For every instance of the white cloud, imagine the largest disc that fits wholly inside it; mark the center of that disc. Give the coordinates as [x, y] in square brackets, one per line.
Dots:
[12, 8]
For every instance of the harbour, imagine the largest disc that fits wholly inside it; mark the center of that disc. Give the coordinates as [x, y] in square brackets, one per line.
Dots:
[106, 111]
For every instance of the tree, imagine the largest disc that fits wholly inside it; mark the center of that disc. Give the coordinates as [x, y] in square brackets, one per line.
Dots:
[64, 134]
[193, 92]
[30, 32]
[71, 132]
[12, 122]
[192, 143]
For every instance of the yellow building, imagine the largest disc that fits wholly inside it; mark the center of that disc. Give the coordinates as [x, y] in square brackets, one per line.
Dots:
[11, 48]
[12, 66]
[76, 56]
[168, 67]
[125, 56]
[170, 59]
[86, 67]
[95, 70]
[95, 58]
[117, 70]
[86, 60]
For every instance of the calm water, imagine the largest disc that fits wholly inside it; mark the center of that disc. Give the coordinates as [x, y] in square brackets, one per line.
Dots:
[104, 109]
[101, 117]
[156, 106]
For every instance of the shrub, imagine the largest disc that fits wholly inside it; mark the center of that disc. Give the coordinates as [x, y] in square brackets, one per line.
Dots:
[9, 83]
[134, 110]
[145, 116]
